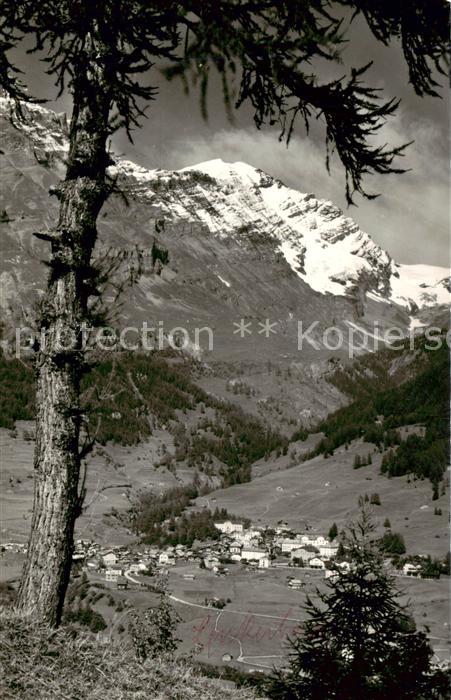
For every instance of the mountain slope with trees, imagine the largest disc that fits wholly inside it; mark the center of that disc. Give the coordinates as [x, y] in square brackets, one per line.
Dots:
[125, 397]
[391, 390]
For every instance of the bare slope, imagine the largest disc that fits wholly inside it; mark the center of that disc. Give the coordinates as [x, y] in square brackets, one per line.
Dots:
[321, 491]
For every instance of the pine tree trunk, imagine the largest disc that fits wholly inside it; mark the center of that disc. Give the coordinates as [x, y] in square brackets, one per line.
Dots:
[60, 361]
[57, 468]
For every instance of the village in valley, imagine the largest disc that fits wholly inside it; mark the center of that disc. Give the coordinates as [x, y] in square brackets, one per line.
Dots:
[253, 547]
[239, 580]
[239, 596]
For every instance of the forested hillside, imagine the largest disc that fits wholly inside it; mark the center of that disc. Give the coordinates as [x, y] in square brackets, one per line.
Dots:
[164, 519]
[129, 395]
[17, 395]
[389, 390]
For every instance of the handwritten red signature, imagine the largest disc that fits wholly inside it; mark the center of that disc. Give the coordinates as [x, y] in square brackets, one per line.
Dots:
[249, 628]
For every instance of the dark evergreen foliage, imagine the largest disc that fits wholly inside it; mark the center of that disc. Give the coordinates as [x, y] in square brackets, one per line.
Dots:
[100, 51]
[421, 399]
[17, 398]
[333, 531]
[159, 254]
[358, 640]
[163, 520]
[392, 543]
[262, 51]
[117, 413]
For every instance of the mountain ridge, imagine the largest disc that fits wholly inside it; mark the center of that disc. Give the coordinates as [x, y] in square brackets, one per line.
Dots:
[239, 244]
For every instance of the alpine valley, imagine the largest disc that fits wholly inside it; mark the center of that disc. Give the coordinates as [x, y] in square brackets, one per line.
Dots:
[244, 428]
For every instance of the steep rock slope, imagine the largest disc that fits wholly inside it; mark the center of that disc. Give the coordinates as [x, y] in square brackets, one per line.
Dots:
[240, 245]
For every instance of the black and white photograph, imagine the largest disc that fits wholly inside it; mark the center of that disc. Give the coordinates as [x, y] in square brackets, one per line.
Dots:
[225, 350]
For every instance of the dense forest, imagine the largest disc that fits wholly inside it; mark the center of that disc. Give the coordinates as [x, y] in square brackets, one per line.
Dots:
[380, 406]
[163, 519]
[17, 397]
[129, 395]
[135, 393]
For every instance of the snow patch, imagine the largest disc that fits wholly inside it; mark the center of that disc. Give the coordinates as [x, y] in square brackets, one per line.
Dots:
[415, 324]
[366, 333]
[324, 248]
[376, 297]
[422, 285]
[220, 170]
[227, 284]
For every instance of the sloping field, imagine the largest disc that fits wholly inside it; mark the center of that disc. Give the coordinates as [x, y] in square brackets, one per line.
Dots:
[113, 472]
[321, 491]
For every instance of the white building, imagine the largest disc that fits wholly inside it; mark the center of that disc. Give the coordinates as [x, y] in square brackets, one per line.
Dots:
[263, 563]
[329, 573]
[228, 527]
[319, 541]
[295, 583]
[113, 573]
[411, 569]
[252, 534]
[166, 558]
[250, 542]
[109, 558]
[253, 553]
[304, 554]
[235, 548]
[328, 550]
[289, 545]
[317, 563]
[137, 567]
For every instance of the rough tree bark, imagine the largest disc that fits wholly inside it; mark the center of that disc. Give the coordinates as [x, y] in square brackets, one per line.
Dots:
[60, 359]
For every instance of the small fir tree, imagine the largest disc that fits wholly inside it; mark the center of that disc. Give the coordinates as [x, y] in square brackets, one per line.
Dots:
[333, 532]
[359, 642]
[152, 631]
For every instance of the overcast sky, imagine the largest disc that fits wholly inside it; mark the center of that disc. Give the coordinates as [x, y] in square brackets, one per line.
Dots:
[409, 219]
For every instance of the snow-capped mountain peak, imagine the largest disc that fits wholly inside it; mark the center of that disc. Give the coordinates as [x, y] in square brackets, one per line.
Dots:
[222, 170]
[323, 246]
[243, 223]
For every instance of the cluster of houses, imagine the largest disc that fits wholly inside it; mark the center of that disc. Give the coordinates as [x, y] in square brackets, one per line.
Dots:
[264, 548]
[255, 547]
[117, 563]
[244, 544]
[113, 563]
[121, 564]
[16, 547]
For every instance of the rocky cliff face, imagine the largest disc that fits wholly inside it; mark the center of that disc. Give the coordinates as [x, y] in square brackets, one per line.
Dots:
[240, 245]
